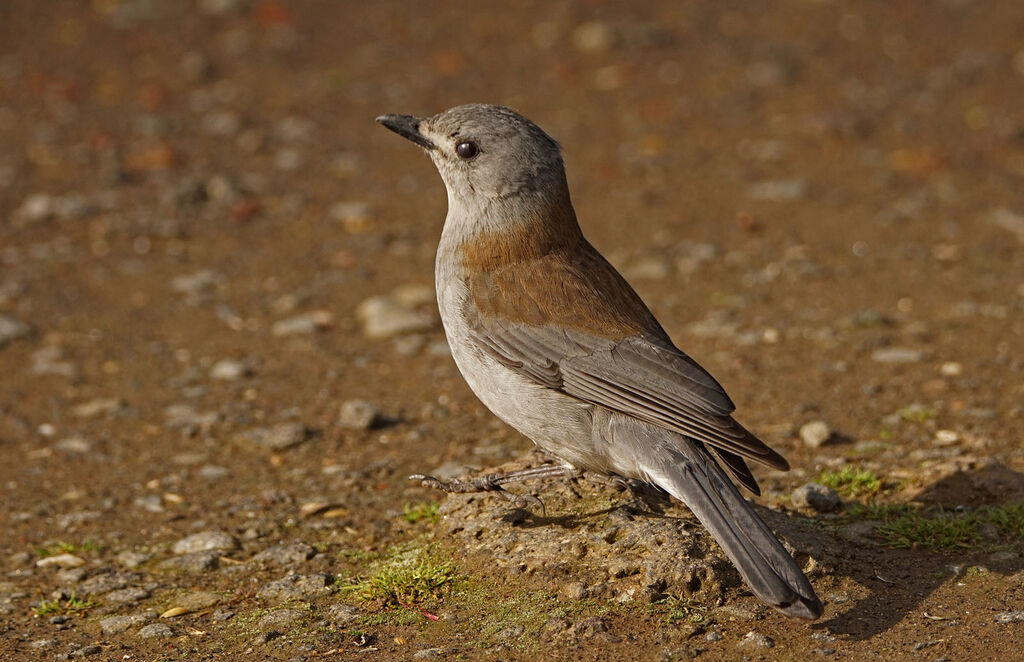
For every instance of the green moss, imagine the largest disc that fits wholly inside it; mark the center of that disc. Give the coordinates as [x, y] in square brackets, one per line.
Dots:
[675, 610]
[917, 414]
[945, 531]
[64, 547]
[852, 481]
[408, 576]
[425, 510]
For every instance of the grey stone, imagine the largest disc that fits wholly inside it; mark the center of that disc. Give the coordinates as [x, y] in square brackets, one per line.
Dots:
[222, 615]
[342, 614]
[156, 631]
[755, 639]
[816, 496]
[430, 653]
[282, 619]
[12, 329]
[130, 559]
[40, 644]
[193, 563]
[1010, 617]
[815, 434]
[287, 555]
[196, 601]
[277, 437]
[714, 635]
[206, 541]
[295, 587]
[97, 407]
[125, 596]
[304, 324]
[104, 583]
[116, 624]
[86, 651]
[384, 317]
[229, 370]
[358, 414]
[897, 355]
[778, 190]
[60, 561]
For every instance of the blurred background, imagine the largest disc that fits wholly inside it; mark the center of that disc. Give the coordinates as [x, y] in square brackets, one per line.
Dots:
[216, 305]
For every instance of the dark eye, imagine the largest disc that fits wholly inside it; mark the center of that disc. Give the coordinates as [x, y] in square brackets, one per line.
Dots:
[467, 149]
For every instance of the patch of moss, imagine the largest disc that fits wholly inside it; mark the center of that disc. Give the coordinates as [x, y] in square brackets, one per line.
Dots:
[409, 575]
[915, 529]
[428, 511]
[64, 547]
[852, 481]
[675, 610]
[917, 414]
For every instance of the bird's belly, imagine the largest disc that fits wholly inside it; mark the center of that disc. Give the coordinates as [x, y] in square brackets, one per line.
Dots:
[557, 423]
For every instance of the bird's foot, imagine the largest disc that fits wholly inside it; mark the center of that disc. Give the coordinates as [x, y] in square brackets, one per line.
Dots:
[488, 483]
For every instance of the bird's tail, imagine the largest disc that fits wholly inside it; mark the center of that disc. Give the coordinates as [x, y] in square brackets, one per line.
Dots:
[687, 471]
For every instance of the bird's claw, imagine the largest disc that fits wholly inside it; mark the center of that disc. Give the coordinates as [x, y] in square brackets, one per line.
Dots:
[486, 483]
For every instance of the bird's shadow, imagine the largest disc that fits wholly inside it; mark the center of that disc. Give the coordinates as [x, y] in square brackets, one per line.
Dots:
[899, 580]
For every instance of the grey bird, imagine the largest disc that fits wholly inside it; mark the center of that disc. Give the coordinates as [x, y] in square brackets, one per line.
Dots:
[556, 343]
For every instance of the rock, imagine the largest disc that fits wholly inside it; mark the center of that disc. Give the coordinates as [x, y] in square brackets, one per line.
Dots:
[125, 596]
[104, 582]
[193, 563]
[815, 434]
[222, 615]
[73, 444]
[12, 329]
[430, 654]
[197, 287]
[40, 644]
[229, 370]
[1010, 617]
[196, 601]
[116, 624]
[384, 317]
[817, 497]
[304, 324]
[755, 640]
[285, 555]
[295, 587]
[86, 651]
[156, 631]
[358, 415]
[275, 438]
[61, 561]
[97, 407]
[206, 541]
[946, 438]
[46, 361]
[714, 635]
[897, 355]
[343, 614]
[282, 619]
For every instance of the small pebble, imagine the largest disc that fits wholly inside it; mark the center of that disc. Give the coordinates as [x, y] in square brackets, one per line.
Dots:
[1010, 617]
[815, 434]
[229, 370]
[897, 355]
[12, 329]
[816, 496]
[755, 640]
[206, 541]
[358, 414]
[156, 631]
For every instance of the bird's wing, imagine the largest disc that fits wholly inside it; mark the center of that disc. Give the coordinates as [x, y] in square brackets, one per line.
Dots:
[574, 324]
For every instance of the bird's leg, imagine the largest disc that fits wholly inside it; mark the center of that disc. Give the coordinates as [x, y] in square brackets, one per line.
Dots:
[640, 493]
[494, 482]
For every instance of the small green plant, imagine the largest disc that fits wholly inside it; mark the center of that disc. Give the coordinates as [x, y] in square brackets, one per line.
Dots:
[914, 529]
[408, 576]
[72, 604]
[64, 547]
[425, 510]
[917, 414]
[1009, 519]
[853, 481]
[676, 610]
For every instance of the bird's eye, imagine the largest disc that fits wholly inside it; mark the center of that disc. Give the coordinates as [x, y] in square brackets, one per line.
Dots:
[467, 149]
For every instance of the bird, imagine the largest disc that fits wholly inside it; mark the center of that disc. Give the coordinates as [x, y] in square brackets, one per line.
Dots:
[554, 341]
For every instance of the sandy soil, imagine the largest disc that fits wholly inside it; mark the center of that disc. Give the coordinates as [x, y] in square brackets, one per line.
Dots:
[822, 202]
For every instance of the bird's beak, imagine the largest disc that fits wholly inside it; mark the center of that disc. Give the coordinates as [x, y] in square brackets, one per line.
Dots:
[407, 126]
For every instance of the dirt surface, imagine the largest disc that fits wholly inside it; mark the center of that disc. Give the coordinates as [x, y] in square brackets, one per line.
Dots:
[221, 360]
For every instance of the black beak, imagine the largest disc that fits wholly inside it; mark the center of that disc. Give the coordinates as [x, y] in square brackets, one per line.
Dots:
[407, 126]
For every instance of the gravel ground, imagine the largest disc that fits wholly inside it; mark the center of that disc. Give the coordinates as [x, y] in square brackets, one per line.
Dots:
[221, 354]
